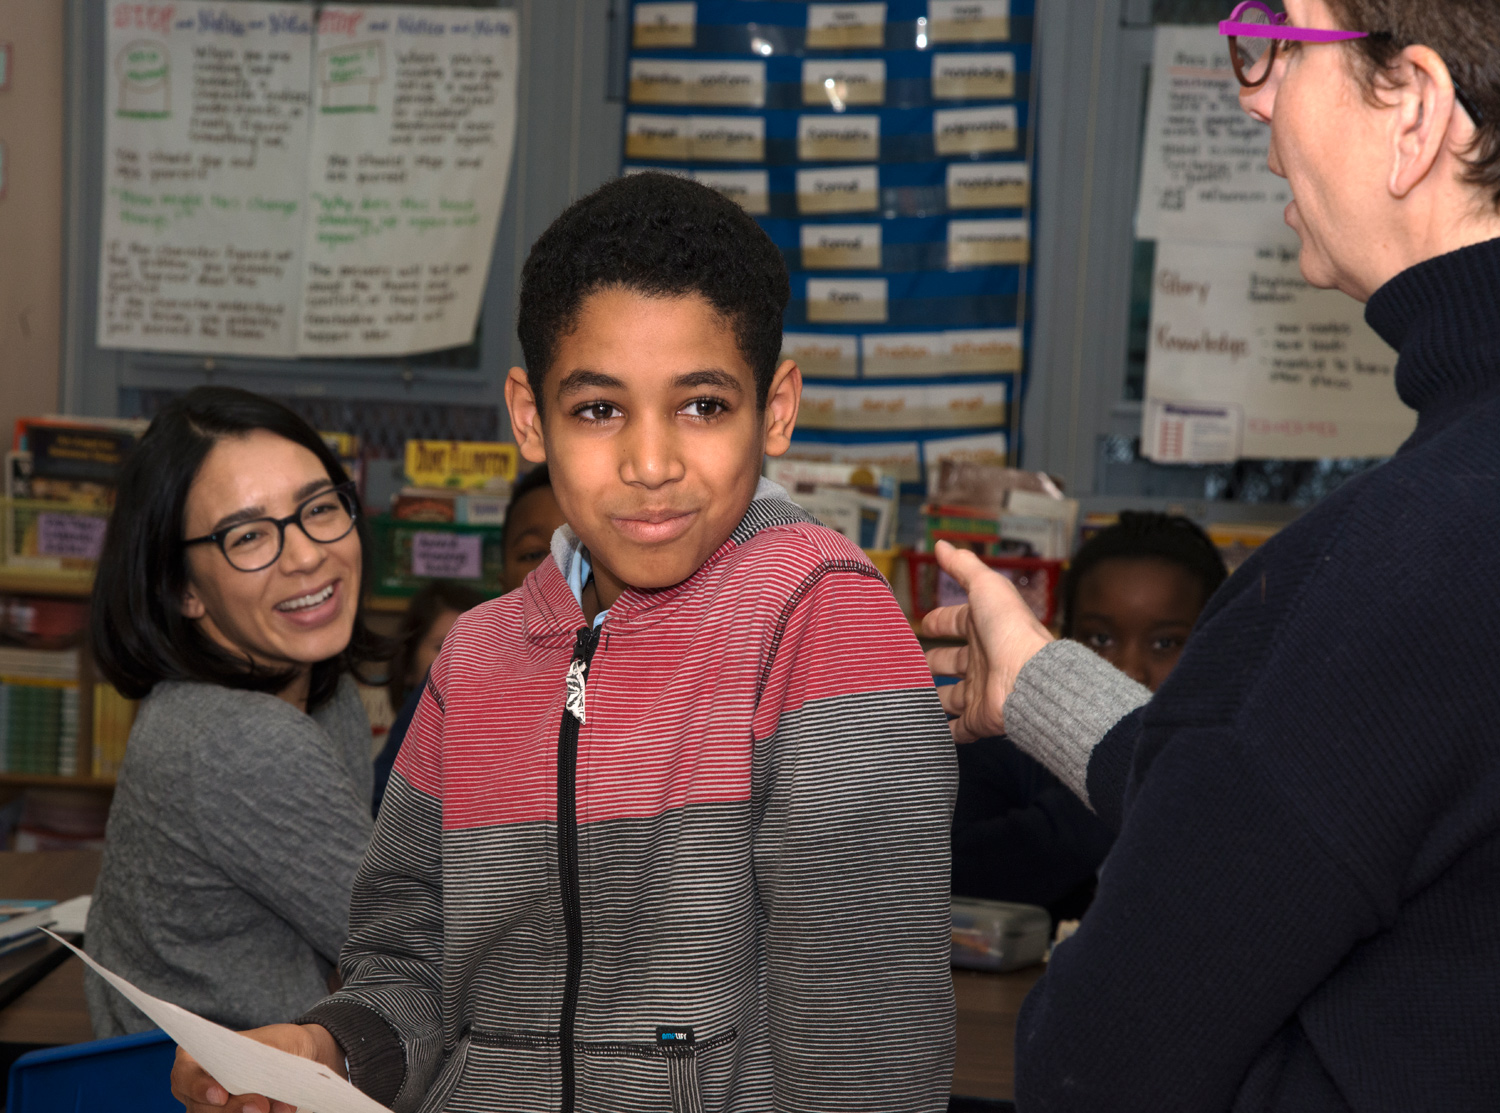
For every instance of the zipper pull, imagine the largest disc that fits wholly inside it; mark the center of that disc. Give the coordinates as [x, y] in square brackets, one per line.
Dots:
[578, 671]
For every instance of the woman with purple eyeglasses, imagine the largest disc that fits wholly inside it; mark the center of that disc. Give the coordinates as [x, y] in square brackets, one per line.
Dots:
[1302, 909]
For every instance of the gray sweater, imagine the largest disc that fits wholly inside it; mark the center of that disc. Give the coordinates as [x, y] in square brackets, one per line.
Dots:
[235, 833]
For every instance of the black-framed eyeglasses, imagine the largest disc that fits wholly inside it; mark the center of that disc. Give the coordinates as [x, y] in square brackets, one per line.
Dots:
[1255, 32]
[325, 517]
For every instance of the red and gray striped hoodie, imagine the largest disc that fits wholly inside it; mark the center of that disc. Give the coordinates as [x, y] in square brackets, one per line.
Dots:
[693, 859]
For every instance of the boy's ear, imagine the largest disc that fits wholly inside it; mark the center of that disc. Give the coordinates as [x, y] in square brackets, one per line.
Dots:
[782, 401]
[525, 416]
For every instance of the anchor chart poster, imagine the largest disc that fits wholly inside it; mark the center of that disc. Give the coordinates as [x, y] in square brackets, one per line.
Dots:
[285, 181]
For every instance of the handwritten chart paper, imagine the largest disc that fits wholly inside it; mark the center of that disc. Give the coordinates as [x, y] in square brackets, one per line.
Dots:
[1247, 359]
[1204, 173]
[412, 136]
[284, 184]
[240, 1064]
[206, 138]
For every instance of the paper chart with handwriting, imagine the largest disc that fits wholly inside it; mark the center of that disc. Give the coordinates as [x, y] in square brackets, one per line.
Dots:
[1203, 173]
[281, 181]
[239, 1064]
[1247, 359]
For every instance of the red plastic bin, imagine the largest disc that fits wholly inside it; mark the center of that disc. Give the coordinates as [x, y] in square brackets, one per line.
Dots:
[1037, 580]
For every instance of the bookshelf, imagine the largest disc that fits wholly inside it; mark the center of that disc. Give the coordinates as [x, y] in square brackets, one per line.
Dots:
[78, 586]
[72, 586]
[62, 585]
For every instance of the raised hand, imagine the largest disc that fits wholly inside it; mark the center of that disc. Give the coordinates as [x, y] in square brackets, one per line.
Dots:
[1001, 635]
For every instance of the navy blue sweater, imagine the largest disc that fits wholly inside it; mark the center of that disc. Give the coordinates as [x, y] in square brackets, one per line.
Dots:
[1302, 909]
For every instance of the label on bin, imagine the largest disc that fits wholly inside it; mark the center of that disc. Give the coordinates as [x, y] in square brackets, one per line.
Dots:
[69, 535]
[446, 556]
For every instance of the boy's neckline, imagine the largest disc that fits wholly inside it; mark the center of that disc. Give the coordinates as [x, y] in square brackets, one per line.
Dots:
[770, 506]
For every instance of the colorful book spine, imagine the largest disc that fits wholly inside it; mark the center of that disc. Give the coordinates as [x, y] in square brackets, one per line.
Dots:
[113, 717]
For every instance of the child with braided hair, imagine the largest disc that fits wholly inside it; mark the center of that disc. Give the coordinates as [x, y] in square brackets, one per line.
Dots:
[1131, 595]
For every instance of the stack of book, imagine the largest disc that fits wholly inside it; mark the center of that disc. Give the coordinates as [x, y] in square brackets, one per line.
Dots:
[39, 711]
[854, 499]
[999, 511]
[60, 482]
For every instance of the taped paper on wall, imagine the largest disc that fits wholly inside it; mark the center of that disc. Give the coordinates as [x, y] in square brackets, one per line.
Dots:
[1237, 325]
[1204, 174]
[274, 186]
[1193, 432]
[848, 189]
[836, 84]
[968, 21]
[665, 24]
[840, 26]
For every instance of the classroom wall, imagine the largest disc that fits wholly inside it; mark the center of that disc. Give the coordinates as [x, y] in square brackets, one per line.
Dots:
[31, 208]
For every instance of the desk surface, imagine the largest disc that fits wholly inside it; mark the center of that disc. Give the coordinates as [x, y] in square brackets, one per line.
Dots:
[988, 1005]
[53, 1011]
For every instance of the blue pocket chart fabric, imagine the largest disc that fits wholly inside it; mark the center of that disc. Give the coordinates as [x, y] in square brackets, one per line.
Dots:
[887, 150]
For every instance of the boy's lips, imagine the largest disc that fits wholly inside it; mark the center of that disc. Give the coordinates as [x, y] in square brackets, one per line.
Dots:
[654, 527]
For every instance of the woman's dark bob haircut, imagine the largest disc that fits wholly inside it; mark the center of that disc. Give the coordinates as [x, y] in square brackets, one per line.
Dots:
[138, 632]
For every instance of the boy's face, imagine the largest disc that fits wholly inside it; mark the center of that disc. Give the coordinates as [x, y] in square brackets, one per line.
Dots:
[652, 434]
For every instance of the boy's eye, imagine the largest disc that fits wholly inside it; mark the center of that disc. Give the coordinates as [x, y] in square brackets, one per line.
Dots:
[1098, 641]
[1167, 645]
[705, 407]
[596, 411]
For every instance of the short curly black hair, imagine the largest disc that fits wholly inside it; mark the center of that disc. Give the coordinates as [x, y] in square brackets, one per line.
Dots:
[1145, 533]
[663, 236]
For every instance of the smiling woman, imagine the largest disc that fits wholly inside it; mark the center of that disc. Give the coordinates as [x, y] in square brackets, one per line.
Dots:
[228, 600]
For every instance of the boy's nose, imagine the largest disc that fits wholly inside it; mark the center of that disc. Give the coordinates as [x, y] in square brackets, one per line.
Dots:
[1132, 661]
[651, 456]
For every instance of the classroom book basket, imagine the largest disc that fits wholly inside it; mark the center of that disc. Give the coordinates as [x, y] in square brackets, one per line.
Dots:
[397, 544]
[127, 1074]
[1037, 580]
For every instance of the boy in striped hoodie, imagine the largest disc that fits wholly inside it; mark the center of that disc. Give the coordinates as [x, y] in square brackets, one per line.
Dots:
[670, 828]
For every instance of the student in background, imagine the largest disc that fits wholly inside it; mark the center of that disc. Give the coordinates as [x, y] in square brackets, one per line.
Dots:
[530, 521]
[228, 600]
[1135, 589]
[1131, 595]
[429, 616]
[700, 861]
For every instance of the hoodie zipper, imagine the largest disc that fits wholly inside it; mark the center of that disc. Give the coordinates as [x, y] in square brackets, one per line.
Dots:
[567, 849]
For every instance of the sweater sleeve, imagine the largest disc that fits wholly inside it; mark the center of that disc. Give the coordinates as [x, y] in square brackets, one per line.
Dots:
[854, 778]
[1076, 713]
[388, 1016]
[278, 812]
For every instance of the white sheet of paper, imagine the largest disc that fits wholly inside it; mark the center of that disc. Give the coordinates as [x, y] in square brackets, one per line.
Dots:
[1237, 326]
[1204, 174]
[242, 1065]
[68, 917]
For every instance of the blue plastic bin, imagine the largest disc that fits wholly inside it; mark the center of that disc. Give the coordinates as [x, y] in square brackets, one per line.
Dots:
[128, 1074]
